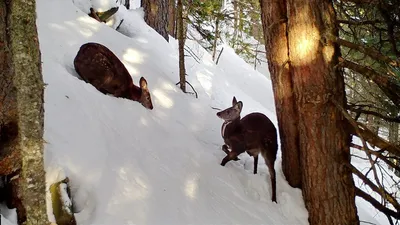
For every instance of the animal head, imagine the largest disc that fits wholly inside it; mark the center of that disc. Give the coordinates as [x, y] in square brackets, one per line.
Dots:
[231, 113]
[145, 98]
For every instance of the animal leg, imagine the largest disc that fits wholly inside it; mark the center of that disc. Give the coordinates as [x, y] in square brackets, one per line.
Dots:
[231, 156]
[255, 164]
[226, 150]
[273, 178]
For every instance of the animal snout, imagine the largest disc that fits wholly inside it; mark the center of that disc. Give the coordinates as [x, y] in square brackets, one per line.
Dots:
[219, 114]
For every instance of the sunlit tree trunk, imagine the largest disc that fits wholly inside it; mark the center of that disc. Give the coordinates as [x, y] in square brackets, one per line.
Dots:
[317, 86]
[276, 43]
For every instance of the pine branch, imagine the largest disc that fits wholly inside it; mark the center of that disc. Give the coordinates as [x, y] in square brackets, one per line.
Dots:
[365, 22]
[388, 84]
[374, 139]
[368, 51]
[386, 118]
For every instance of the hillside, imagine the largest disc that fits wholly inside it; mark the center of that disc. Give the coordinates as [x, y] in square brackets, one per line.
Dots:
[130, 165]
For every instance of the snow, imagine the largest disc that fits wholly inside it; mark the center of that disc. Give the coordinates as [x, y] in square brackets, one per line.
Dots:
[130, 165]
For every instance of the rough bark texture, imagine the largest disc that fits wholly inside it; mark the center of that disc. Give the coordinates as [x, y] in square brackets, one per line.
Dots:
[171, 18]
[181, 43]
[273, 14]
[156, 15]
[328, 186]
[312, 79]
[28, 83]
[9, 153]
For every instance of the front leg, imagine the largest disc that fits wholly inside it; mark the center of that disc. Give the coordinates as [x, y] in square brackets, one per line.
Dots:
[225, 148]
[255, 164]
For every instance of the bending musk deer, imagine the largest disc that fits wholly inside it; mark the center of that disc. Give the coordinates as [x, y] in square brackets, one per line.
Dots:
[97, 65]
[255, 134]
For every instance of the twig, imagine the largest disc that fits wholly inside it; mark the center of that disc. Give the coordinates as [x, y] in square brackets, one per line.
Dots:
[195, 92]
[219, 55]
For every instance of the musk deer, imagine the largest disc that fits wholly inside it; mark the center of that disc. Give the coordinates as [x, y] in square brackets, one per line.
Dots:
[254, 133]
[97, 65]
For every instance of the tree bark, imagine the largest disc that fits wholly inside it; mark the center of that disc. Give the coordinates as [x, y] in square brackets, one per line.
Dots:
[156, 15]
[215, 42]
[328, 185]
[273, 15]
[171, 18]
[305, 80]
[181, 43]
[9, 154]
[27, 82]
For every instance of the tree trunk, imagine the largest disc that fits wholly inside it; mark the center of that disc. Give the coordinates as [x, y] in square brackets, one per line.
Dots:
[215, 42]
[156, 15]
[235, 23]
[181, 43]
[273, 15]
[24, 71]
[171, 18]
[323, 153]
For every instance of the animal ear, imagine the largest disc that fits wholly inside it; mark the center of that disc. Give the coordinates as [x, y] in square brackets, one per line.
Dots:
[234, 101]
[143, 83]
[239, 105]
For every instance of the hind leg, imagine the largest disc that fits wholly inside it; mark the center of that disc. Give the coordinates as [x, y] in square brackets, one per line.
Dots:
[272, 174]
[270, 161]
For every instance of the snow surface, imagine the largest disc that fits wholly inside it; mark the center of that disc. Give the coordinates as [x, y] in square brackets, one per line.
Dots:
[130, 165]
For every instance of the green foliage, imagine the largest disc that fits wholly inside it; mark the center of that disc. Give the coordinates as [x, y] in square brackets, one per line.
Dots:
[239, 25]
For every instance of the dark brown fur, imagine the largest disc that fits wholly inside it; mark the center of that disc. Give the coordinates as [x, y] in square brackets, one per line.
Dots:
[255, 134]
[97, 65]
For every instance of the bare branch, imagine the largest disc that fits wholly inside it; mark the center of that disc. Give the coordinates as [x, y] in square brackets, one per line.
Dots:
[353, 22]
[376, 204]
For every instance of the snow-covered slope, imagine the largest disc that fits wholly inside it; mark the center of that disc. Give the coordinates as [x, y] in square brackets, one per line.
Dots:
[129, 165]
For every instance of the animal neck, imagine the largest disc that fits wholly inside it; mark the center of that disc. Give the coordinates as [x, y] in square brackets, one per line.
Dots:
[229, 127]
[135, 92]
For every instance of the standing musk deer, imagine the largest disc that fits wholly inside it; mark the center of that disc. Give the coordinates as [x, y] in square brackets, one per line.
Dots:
[97, 65]
[253, 134]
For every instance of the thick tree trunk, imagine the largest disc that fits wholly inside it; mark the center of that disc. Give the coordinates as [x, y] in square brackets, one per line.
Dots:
[304, 90]
[9, 154]
[273, 14]
[327, 183]
[171, 18]
[181, 42]
[23, 55]
[156, 15]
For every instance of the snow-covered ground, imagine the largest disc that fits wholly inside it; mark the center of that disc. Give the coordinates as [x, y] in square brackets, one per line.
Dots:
[130, 165]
